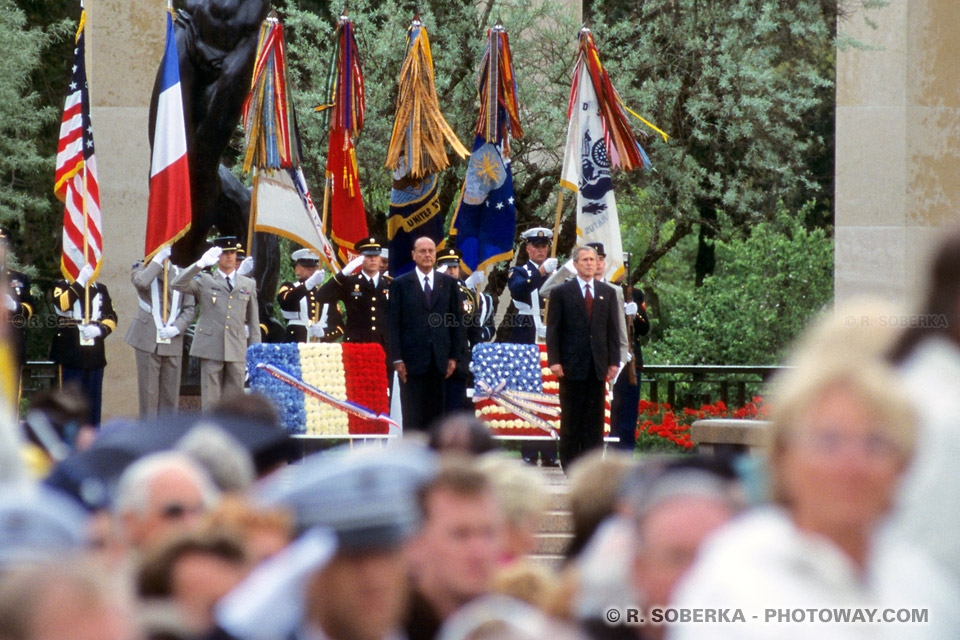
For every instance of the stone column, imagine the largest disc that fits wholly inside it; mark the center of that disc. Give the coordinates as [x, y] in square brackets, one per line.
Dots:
[898, 146]
[125, 40]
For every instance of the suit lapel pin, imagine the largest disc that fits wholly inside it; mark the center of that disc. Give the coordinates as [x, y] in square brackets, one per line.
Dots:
[214, 299]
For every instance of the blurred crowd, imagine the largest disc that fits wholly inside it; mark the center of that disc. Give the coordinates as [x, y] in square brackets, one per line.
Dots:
[217, 525]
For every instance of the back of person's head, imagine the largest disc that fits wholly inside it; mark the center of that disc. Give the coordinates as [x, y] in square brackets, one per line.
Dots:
[271, 446]
[228, 463]
[133, 487]
[458, 475]
[156, 571]
[248, 406]
[67, 599]
[595, 482]
[461, 432]
[521, 490]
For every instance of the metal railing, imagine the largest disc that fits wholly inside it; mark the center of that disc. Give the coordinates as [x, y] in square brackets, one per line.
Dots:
[710, 382]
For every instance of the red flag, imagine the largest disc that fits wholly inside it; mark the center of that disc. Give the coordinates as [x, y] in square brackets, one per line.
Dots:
[348, 220]
[76, 174]
[169, 209]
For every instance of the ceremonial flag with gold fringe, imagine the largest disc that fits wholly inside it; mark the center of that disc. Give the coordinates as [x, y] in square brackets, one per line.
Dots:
[76, 173]
[599, 139]
[281, 202]
[416, 154]
[169, 210]
[486, 218]
[348, 220]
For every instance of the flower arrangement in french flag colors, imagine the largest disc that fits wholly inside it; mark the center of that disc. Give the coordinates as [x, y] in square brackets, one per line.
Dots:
[519, 367]
[353, 372]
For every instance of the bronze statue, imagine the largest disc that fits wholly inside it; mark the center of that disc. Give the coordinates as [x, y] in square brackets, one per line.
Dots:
[217, 43]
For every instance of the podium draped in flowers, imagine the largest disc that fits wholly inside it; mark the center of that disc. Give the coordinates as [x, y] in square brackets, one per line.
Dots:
[350, 372]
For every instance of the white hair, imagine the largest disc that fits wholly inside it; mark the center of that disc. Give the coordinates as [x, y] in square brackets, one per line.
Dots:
[228, 463]
[133, 488]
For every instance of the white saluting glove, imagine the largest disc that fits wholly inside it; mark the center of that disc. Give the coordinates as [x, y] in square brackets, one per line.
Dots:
[210, 257]
[550, 265]
[442, 268]
[568, 265]
[315, 279]
[318, 329]
[9, 302]
[246, 267]
[161, 256]
[353, 266]
[168, 332]
[630, 308]
[90, 331]
[84, 276]
[476, 279]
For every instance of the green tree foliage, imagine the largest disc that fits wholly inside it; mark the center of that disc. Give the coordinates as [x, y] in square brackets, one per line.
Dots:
[766, 288]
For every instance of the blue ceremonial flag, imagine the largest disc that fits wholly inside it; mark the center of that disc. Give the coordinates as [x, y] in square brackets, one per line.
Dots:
[414, 213]
[486, 218]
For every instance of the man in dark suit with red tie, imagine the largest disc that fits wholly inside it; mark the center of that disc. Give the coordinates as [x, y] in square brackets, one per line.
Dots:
[583, 351]
[423, 321]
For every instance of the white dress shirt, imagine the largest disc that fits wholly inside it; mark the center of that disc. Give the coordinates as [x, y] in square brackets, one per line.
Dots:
[229, 277]
[583, 287]
[425, 278]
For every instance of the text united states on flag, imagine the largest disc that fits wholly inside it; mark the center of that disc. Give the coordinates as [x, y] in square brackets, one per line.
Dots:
[76, 176]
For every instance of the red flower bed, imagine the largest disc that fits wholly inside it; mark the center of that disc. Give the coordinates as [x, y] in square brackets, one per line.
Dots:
[660, 428]
[366, 382]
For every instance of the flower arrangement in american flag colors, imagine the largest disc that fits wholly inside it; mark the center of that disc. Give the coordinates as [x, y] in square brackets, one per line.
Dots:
[76, 173]
[522, 367]
[349, 372]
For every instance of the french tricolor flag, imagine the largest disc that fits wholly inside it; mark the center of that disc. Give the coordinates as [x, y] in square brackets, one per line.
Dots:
[169, 211]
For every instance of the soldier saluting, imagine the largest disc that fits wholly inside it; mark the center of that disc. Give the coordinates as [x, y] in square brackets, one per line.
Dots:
[18, 301]
[228, 323]
[310, 311]
[365, 296]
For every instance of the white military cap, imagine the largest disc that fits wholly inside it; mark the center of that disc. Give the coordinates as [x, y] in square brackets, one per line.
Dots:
[38, 524]
[541, 234]
[368, 497]
[304, 255]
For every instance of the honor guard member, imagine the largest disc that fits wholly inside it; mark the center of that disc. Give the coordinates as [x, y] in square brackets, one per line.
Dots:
[524, 283]
[365, 296]
[477, 329]
[158, 342]
[229, 320]
[78, 345]
[18, 301]
[310, 310]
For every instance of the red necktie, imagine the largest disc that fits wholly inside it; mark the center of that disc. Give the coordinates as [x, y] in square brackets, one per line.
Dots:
[588, 299]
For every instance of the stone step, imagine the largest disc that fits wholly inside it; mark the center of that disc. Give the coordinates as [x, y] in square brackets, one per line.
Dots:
[550, 561]
[559, 498]
[553, 543]
[557, 521]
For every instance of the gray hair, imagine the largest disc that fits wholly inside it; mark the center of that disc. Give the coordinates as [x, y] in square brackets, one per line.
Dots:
[227, 462]
[133, 488]
[581, 249]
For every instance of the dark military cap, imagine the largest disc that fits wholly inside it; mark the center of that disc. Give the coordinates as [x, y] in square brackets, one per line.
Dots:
[368, 247]
[598, 247]
[449, 256]
[228, 243]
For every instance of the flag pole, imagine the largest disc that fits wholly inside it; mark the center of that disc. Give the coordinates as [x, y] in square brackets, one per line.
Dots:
[253, 211]
[556, 225]
[326, 203]
[166, 272]
[86, 226]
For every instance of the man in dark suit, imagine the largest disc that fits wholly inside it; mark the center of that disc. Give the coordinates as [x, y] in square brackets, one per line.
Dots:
[423, 321]
[583, 351]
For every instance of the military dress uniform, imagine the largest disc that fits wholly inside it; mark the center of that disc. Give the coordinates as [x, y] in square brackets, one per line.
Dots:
[80, 363]
[366, 301]
[228, 324]
[159, 361]
[302, 307]
[18, 285]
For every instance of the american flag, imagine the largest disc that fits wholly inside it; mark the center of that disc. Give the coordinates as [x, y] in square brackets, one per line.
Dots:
[76, 176]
